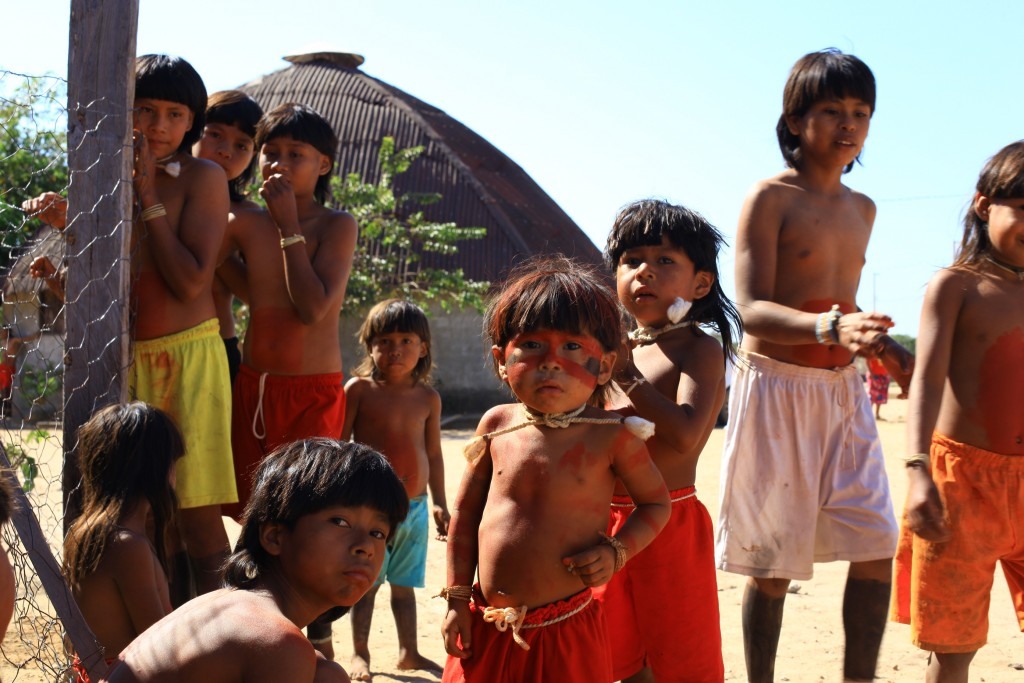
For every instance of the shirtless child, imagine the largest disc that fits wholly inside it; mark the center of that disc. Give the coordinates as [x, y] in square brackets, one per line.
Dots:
[392, 407]
[298, 254]
[532, 508]
[803, 479]
[313, 538]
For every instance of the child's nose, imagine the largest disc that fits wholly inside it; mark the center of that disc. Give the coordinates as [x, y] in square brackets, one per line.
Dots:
[644, 270]
[550, 360]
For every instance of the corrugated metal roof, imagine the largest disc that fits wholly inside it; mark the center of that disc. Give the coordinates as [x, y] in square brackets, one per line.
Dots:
[479, 185]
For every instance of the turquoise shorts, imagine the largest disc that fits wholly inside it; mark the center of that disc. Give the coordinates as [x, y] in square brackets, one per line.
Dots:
[405, 563]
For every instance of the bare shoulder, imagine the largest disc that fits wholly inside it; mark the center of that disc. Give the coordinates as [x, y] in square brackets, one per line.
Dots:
[335, 224]
[865, 205]
[204, 174]
[129, 550]
[499, 417]
[694, 348]
[427, 393]
[951, 283]
[284, 654]
[357, 385]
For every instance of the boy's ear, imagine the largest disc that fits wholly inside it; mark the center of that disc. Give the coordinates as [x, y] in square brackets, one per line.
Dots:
[607, 367]
[423, 349]
[325, 164]
[981, 206]
[499, 362]
[272, 537]
[793, 124]
[704, 282]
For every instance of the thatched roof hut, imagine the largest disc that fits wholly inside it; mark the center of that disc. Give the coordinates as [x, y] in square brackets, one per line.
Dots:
[479, 185]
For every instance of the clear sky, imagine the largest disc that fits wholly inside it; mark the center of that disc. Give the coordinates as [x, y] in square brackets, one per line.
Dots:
[606, 102]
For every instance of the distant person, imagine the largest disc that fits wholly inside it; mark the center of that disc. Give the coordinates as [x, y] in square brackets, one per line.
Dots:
[313, 538]
[11, 345]
[662, 607]
[229, 141]
[391, 407]
[878, 385]
[8, 584]
[115, 551]
[803, 479]
[297, 257]
[532, 507]
[965, 433]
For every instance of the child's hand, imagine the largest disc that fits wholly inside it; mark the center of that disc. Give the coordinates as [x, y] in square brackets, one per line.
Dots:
[441, 520]
[594, 566]
[277, 192]
[455, 629]
[49, 207]
[860, 332]
[42, 268]
[144, 170]
[924, 509]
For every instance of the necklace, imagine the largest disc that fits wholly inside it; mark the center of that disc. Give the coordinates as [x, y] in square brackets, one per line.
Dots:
[648, 335]
[1019, 272]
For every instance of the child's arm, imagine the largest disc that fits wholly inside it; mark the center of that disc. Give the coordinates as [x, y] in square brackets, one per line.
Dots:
[353, 393]
[135, 570]
[316, 287]
[43, 269]
[49, 207]
[638, 473]
[757, 243]
[186, 257]
[463, 547]
[942, 302]
[435, 461]
[682, 422]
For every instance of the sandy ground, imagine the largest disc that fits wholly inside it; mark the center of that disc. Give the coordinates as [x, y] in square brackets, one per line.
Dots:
[812, 638]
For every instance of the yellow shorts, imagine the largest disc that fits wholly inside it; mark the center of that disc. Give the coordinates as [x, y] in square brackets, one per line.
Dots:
[186, 375]
[942, 589]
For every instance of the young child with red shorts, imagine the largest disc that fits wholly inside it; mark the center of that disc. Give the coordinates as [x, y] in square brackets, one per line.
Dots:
[531, 512]
[965, 501]
[662, 608]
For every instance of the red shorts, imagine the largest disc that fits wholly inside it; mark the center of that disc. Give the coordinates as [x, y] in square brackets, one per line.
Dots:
[6, 376]
[271, 410]
[942, 589]
[573, 650]
[662, 606]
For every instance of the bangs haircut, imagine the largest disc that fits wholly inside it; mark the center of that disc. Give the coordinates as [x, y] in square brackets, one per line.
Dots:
[172, 79]
[304, 124]
[826, 75]
[305, 477]
[395, 315]
[555, 293]
[235, 108]
[1001, 178]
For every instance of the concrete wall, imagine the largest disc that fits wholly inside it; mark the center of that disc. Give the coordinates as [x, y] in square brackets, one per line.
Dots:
[463, 373]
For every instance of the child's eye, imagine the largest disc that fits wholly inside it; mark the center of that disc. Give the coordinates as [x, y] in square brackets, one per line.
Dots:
[340, 521]
[573, 346]
[666, 259]
[379, 534]
[530, 345]
[211, 134]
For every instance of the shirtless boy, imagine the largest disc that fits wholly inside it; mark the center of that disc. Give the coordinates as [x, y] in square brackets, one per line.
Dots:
[312, 538]
[532, 508]
[802, 475]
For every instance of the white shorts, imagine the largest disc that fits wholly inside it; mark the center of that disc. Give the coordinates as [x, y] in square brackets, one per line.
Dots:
[803, 478]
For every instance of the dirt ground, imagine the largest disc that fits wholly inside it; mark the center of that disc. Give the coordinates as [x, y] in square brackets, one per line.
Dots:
[812, 638]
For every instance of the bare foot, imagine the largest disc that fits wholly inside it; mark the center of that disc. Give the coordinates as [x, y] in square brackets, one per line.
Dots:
[359, 669]
[417, 662]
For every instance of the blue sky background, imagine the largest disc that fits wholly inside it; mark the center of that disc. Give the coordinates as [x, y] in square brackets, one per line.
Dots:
[606, 102]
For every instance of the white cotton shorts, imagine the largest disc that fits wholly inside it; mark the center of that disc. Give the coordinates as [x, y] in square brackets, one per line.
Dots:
[803, 479]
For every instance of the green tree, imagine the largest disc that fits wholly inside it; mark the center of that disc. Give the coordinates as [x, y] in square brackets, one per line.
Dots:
[394, 235]
[33, 154]
[907, 342]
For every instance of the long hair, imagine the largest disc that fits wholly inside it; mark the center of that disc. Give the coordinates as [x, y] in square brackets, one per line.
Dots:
[302, 478]
[163, 77]
[235, 108]
[1001, 178]
[125, 452]
[828, 74]
[555, 293]
[394, 315]
[644, 223]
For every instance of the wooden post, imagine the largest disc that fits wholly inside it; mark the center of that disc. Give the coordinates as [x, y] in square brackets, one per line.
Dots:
[101, 89]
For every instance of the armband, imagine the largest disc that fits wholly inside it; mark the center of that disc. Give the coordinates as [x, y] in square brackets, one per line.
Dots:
[293, 239]
[152, 212]
[920, 460]
[456, 593]
[826, 330]
[620, 550]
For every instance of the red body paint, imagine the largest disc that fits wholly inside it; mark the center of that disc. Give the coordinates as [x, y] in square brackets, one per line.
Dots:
[1000, 402]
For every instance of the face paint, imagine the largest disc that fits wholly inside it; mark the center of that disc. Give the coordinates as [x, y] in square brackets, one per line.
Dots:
[550, 347]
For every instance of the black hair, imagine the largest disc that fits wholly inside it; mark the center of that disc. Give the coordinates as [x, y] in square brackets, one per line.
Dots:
[235, 108]
[1001, 178]
[824, 75]
[644, 223]
[395, 315]
[302, 478]
[304, 124]
[163, 77]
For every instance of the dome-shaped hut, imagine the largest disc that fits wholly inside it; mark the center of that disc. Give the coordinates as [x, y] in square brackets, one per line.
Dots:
[479, 187]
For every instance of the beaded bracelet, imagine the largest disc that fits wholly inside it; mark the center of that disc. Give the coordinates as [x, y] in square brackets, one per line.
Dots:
[918, 460]
[292, 239]
[619, 547]
[456, 593]
[152, 212]
[826, 330]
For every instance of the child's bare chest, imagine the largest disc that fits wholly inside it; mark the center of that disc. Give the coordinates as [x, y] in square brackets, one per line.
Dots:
[554, 459]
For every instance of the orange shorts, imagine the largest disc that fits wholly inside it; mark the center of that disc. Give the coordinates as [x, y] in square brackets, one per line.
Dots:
[942, 589]
[271, 410]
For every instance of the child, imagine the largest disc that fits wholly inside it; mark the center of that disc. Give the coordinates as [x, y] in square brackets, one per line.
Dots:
[228, 141]
[803, 479]
[662, 608]
[313, 537]
[532, 506]
[967, 403]
[116, 571]
[878, 385]
[10, 346]
[391, 407]
[298, 255]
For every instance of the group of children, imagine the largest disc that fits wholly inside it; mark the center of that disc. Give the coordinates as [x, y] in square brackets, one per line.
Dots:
[577, 548]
